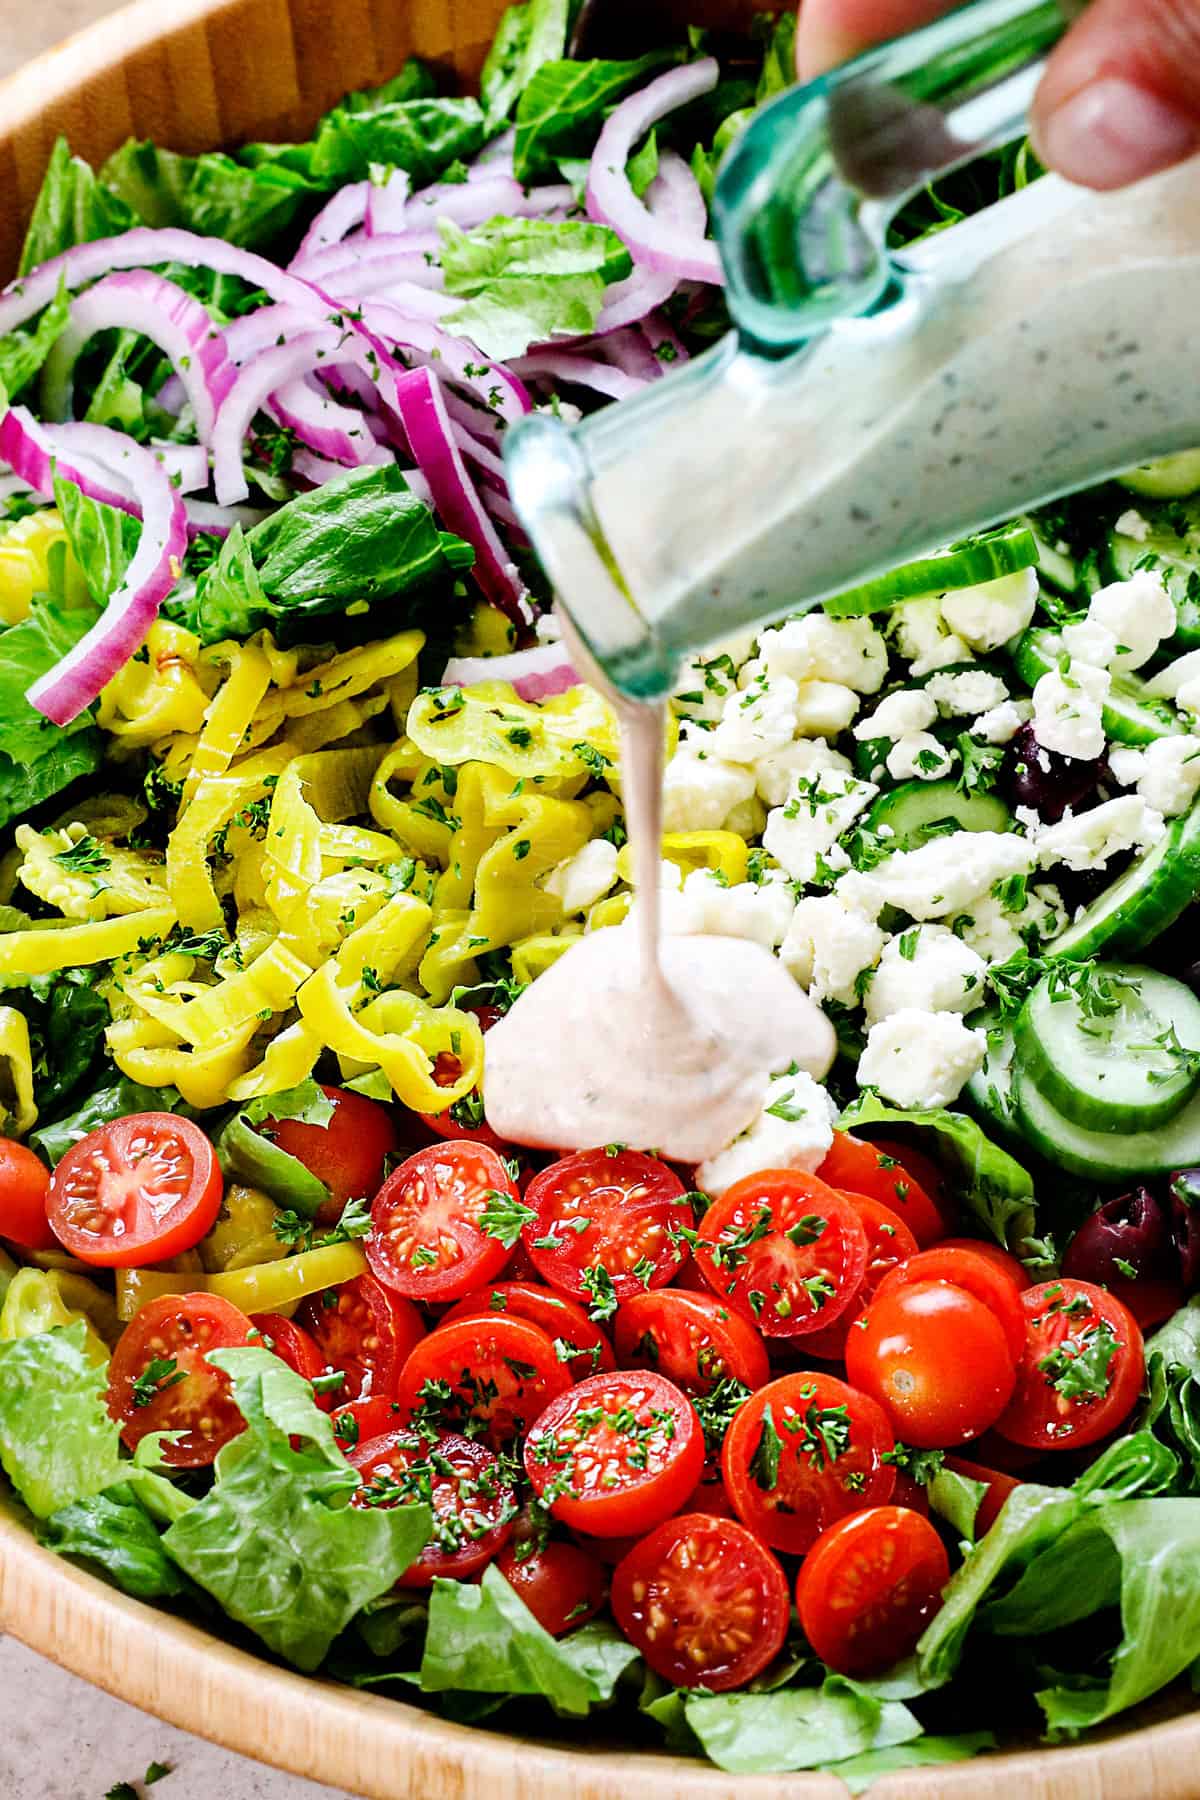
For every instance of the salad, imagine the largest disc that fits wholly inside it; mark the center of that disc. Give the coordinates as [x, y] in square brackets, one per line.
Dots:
[872, 1441]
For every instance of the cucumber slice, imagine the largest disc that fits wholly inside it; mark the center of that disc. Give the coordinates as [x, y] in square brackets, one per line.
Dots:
[986, 557]
[989, 1091]
[918, 810]
[1058, 568]
[1131, 715]
[1171, 550]
[1119, 1070]
[1112, 1157]
[1168, 478]
[1141, 903]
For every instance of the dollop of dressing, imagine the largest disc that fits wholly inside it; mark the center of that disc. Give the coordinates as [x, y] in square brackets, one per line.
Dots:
[633, 1039]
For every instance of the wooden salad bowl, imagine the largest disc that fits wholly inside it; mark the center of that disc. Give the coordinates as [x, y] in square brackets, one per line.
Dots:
[194, 75]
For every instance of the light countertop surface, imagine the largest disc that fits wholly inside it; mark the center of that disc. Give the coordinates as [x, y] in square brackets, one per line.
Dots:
[61, 1739]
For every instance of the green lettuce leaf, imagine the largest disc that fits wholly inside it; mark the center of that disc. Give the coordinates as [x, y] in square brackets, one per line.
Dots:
[423, 136]
[67, 1020]
[526, 38]
[212, 194]
[983, 1178]
[275, 1542]
[357, 538]
[22, 353]
[115, 1101]
[57, 1442]
[562, 108]
[72, 207]
[114, 1530]
[485, 1640]
[103, 539]
[859, 1772]
[956, 1498]
[524, 280]
[66, 759]
[247, 1155]
[30, 650]
[796, 1727]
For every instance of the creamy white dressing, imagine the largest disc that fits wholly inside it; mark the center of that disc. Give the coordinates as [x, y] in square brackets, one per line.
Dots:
[666, 1044]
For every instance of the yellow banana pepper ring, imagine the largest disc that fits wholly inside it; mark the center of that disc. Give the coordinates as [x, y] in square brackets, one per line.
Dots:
[532, 956]
[288, 1060]
[214, 805]
[722, 851]
[262, 1287]
[78, 946]
[39, 1301]
[229, 716]
[243, 1234]
[351, 673]
[153, 698]
[18, 1109]
[400, 1034]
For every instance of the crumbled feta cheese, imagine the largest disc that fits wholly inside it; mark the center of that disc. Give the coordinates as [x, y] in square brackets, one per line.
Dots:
[1088, 641]
[900, 715]
[815, 648]
[704, 686]
[585, 877]
[940, 877]
[972, 691]
[1068, 711]
[747, 818]
[929, 969]
[1131, 524]
[824, 709]
[919, 1059]
[923, 640]
[1087, 840]
[999, 926]
[794, 1130]
[1167, 772]
[1002, 723]
[774, 773]
[919, 757]
[817, 811]
[547, 628]
[827, 948]
[1140, 614]
[993, 612]
[760, 911]
[700, 789]
[755, 722]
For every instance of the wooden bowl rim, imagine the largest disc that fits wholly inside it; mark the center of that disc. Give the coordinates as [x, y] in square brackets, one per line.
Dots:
[371, 1743]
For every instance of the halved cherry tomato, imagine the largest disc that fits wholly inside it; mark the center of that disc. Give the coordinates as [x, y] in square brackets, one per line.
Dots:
[869, 1586]
[936, 1359]
[802, 1452]
[562, 1585]
[784, 1250]
[563, 1321]
[347, 1154]
[458, 1479]
[999, 1486]
[137, 1191]
[160, 1378]
[606, 1224]
[361, 1420]
[24, 1182]
[465, 1119]
[695, 1340]
[1000, 1259]
[975, 1274]
[501, 1371]
[1081, 1370]
[291, 1343]
[703, 1601]
[889, 1242]
[429, 1234]
[364, 1329]
[889, 1172]
[616, 1454]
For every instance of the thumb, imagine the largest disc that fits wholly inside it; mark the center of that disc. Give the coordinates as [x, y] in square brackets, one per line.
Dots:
[1121, 96]
[831, 31]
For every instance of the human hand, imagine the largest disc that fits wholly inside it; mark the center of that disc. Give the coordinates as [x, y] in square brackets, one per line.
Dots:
[1119, 100]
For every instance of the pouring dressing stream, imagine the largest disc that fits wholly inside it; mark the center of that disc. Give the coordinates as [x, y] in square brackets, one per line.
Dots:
[871, 407]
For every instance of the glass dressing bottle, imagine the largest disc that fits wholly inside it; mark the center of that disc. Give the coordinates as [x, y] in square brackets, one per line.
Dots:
[872, 404]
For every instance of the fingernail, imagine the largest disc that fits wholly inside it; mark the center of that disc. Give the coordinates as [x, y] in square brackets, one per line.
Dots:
[1113, 132]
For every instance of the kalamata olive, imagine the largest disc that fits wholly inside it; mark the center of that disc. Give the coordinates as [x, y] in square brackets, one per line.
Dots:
[1126, 1247]
[1046, 781]
[1184, 1189]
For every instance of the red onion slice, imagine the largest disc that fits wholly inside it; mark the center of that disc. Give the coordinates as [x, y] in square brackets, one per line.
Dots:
[536, 674]
[457, 359]
[584, 371]
[141, 248]
[652, 240]
[333, 431]
[202, 515]
[76, 681]
[155, 308]
[35, 452]
[386, 201]
[348, 208]
[414, 246]
[418, 401]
